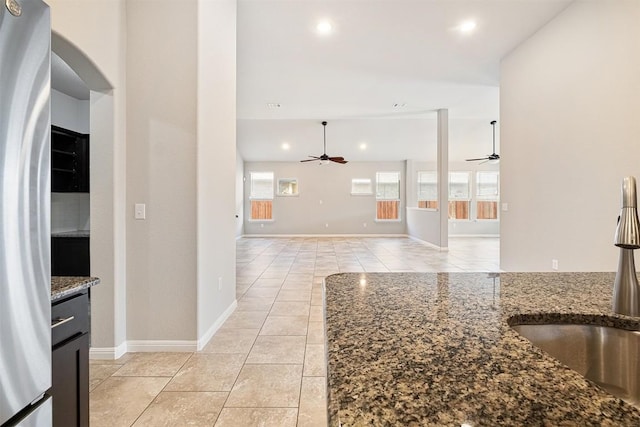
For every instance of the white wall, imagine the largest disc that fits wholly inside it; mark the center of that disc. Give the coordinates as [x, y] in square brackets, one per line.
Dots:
[331, 184]
[161, 170]
[69, 211]
[216, 163]
[239, 195]
[69, 113]
[570, 103]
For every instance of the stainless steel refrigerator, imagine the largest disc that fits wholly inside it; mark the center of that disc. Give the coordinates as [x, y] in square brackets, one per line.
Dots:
[25, 271]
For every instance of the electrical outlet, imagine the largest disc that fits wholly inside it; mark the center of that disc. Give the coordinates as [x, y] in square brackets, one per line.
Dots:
[220, 283]
[326, 225]
[364, 224]
[505, 207]
[554, 264]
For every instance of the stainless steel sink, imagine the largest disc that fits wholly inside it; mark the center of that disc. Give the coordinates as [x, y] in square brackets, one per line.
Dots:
[610, 357]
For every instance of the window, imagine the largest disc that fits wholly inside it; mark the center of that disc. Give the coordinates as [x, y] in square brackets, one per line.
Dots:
[261, 196]
[488, 193]
[361, 186]
[287, 187]
[459, 195]
[388, 196]
[428, 190]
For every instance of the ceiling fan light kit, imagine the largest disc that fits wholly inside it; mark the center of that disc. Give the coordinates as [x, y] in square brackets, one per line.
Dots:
[493, 157]
[324, 159]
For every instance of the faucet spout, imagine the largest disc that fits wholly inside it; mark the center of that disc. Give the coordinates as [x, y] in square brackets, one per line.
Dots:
[626, 290]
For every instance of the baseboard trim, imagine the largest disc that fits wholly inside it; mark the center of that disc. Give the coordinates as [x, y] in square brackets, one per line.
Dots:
[108, 353]
[478, 236]
[324, 235]
[204, 339]
[147, 346]
[429, 244]
[175, 346]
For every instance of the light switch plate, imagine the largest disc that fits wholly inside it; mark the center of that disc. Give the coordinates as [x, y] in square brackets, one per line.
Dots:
[140, 211]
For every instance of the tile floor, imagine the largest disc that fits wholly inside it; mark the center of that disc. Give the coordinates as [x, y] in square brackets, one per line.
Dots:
[265, 366]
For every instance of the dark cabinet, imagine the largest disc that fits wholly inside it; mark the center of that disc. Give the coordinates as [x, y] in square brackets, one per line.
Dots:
[70, 361]
[70, 256]
[69, 161]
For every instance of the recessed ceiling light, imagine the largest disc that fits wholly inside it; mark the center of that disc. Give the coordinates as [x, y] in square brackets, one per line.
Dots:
[467, 26]
[363, 146]
[285, 146]
[324, 27]
[273, 105]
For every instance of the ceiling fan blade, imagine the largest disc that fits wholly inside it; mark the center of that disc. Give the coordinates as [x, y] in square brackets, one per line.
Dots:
[473, 160]
[340, 160]
[310, 160]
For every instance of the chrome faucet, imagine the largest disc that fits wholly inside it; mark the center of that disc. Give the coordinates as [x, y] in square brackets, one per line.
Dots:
[626, 291]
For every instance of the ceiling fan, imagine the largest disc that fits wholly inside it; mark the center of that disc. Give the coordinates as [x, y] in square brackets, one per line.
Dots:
[324, 158]
[492, 156]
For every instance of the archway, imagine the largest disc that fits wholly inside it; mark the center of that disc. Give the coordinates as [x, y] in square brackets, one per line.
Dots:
[107, 198]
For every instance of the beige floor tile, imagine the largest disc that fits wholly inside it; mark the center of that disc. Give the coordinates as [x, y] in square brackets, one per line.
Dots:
[297, 286]
[278, 349]
[153, 365]
[275, 274]
[260, 386]
[285, 325]
[207, 372]
[303, 295]
[99, 373]
[315, 333]
[254, 304]
[289, 308]
[257, 417]
[316, 314]
[262, 292]
[180, 408]
[118, 401]
[232, 341]
[313, 402]
[245, 320]
[317, 297]
[121, 361]
[267, 283]
[315, 364]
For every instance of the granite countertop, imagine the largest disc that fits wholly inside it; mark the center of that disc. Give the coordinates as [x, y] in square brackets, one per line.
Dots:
[76, 233]
[436, 349]
[61, 286]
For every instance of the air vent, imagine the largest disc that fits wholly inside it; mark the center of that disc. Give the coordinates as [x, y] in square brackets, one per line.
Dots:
[273, 105]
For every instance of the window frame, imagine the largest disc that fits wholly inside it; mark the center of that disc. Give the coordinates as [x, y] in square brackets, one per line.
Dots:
[397, 200]
[418, 183]
[297, 185]
[466, 199]
[252, 198]
[488, 198]
[354, 193]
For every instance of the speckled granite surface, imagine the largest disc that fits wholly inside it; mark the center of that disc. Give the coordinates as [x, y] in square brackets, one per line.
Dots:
[78, 233]
[61, 286]
[427, 349]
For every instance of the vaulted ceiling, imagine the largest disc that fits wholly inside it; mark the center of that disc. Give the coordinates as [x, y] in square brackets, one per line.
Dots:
[386, 65]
